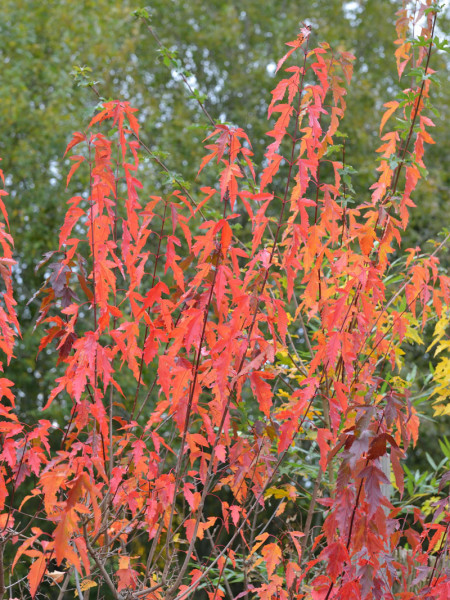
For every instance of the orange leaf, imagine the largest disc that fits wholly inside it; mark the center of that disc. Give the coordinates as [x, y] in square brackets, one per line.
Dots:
[272, 556]
[262, 390]
[392, 106]
[366, 241]
[36, 574]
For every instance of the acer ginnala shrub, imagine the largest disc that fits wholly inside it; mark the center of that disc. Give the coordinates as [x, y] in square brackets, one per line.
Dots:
[238, 414]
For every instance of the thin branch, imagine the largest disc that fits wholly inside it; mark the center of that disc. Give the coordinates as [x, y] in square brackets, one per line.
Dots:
[101, 567]
[65, 584]
[183, 76]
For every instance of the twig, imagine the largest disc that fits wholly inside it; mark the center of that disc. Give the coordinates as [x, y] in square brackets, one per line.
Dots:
[101, 567]
[65, 584]
[183, 76]
[77, 583]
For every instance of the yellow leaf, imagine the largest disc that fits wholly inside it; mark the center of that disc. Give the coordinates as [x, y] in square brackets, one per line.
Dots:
[439, 330]
[441, 377]
[442, 346]
[276, 493]
[441, 410]
[86, 584]
[411, 334]
[398, 357]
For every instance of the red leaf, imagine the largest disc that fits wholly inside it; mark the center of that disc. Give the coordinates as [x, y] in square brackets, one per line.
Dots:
[127, 576]
[302, 36]
[262, 390]
[373, 478]
[270, 171]
[77, 162]
[36, 573]
[397, 469]
[76, 139]
[377, 447]
[336, 556]
[323, 436]
[235, 512]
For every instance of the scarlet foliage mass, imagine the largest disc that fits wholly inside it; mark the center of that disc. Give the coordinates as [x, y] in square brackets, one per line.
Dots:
[162, 343]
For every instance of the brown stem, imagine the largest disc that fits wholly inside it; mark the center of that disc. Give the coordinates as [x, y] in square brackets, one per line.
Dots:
[185, 431]
[438, 555]
[2, 569]
[352, 518]
[254, 507]
[311, 509]
[157, 256]
[101, 567]
[65, 584]
[91, 219]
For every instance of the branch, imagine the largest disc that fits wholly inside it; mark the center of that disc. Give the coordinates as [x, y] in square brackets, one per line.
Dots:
[101, 567]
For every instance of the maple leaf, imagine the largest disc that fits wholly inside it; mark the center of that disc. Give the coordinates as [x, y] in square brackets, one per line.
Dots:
[77, 162]
[270, 171]
[206, 159]
[366, 240]
[377, 447]
[202, 527]
[36, 573]
[396, 454]
[76, 139]
[302, 36]
[336, 555]
[323, 436]
[373, 478]
[392, 107]
[262, 390]
[235, 511]
[228, 183]
[86, 584]
[127, 576]
[272, 556]
[389, 148]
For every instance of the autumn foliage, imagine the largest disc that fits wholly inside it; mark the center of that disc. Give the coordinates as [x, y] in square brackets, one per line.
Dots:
[196, 364]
